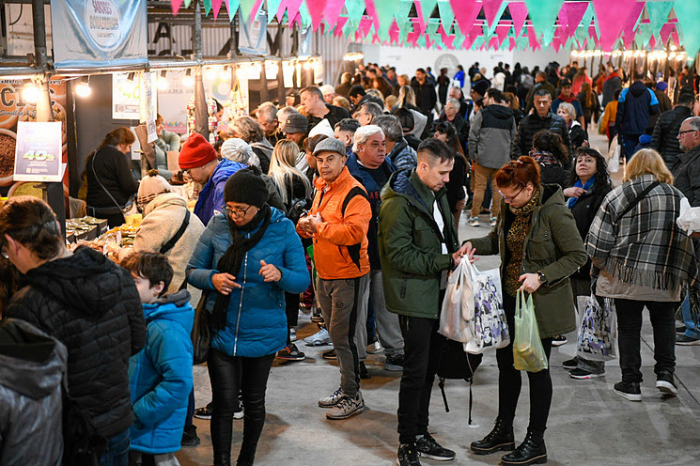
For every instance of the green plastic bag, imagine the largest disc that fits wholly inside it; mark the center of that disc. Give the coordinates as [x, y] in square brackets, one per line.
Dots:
[528, 353]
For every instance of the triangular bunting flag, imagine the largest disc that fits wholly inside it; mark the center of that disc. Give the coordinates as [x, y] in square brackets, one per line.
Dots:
[543, 14]
[465, 13]
[249, 9]
[493, 9]
[356, 9]
[207, 7]
[216, 6]
[658, 14]
[613, 17]
[331, 12]
[518, 11]
[570, 17]
[447, 16]
[316, 9]
[175, 5]
[502, 31]
[688, 13]
[232, 6]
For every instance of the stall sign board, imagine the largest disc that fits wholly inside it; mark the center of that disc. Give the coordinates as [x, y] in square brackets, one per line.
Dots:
[38, 151]
[99, 34]
[126, 102]
[252, 37]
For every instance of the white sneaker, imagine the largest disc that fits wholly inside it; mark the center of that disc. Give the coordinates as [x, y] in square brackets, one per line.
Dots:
[347, 407]
[293, 334]
[331, 400]
[473, 221]
[375, 348]
[320, 338]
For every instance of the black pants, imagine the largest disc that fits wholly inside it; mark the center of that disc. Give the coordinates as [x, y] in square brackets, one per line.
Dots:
[228, 375]
[292, 301]
[510, 380]
[629, 328]
[422, 350]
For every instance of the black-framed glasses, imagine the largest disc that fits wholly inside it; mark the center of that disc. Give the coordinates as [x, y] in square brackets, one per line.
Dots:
[681, 133]
[236, 212]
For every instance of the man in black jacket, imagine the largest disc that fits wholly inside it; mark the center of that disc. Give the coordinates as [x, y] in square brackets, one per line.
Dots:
[541, 118]
[318, 109]
[426, 98]
[664, 140]
[85, 301]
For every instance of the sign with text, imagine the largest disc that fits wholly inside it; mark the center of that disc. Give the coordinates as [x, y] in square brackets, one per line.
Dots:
[99, 33]
[38, 151]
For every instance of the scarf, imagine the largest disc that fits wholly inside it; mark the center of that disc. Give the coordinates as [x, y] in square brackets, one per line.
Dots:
[232, 259]
[515, 239]
[588, 186]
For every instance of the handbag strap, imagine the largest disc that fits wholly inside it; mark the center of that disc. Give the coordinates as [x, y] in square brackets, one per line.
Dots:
[100, 182]
[636, 200]
[169, 245]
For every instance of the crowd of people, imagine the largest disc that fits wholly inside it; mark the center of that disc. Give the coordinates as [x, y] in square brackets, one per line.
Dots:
[360, 186]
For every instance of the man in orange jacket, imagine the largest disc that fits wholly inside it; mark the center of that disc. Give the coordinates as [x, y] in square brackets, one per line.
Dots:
[338, 223]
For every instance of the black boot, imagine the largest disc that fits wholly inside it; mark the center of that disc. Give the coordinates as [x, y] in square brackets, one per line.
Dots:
[531, 451]
[499, 439]
[222, 459]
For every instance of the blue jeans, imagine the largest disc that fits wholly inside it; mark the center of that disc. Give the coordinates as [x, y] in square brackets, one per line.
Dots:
[629, 143]
[691, 330]
[117, 453]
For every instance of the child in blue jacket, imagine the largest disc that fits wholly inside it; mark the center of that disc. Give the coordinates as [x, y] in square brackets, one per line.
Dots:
[160, 375]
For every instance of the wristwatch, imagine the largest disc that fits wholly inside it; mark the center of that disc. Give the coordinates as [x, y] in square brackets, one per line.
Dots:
[542, 278]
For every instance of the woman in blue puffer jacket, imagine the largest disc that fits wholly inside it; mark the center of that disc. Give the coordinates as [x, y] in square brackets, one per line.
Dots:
[246, 259]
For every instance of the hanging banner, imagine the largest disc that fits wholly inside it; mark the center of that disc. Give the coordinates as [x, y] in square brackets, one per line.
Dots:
[252, 36]
[38, 151]
[99, 33]
[126, 95]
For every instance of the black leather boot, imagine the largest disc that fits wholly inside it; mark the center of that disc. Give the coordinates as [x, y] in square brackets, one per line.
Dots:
[531, 451]
[499, 439]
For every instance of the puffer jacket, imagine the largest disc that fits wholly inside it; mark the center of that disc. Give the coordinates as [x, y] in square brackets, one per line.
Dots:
[160, 376]
[91, 305]
[256, 323]
[635, 105]
[403, 156]
[32, 365]
[531, 125]
[553, 247]
[211, 197]
[163, 217]
[664, 139]
[491, 136]
[263, 149]
[686, 176]
[410, 245]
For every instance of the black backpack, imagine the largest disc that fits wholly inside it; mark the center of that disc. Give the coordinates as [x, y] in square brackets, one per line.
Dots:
[455, 363]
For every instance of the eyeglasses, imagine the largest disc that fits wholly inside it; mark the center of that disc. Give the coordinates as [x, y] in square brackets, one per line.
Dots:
[681, 133]
[510, 199]
[236, 212]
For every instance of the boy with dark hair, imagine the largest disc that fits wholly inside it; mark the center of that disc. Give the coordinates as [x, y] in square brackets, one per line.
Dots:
[160, 376]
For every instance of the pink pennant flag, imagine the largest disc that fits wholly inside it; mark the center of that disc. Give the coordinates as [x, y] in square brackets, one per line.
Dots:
[175, 5]
[502, 31]
[652, 42]
[532, 38]
[372, 13]
[333, 10]
[375, 39]
[316, 8]
[365, 25]
[511, 43]
[570, 17]
[339, 25]
[465, 13]
[216, 6]
[613, 17]
[494, 43]
[428, 43]
[394, 32]
[491, 8]
[518, 11]
[628, 38]
[292, 8]
[556, 43]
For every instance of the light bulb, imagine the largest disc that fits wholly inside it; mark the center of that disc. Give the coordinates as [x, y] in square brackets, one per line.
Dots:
[307, 66]
[30, 94]
[83, 89]
[162, 83]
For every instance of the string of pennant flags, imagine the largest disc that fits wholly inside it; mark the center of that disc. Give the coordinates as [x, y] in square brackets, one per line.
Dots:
[605, 25]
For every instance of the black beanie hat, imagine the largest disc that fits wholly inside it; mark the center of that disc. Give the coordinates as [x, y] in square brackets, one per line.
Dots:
[247, 187]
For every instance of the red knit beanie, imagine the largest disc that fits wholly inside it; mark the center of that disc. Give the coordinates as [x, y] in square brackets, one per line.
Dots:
[196, 152]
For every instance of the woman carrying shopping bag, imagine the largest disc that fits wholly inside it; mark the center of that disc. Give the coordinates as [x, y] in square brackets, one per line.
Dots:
[539, 245]
[648, 272]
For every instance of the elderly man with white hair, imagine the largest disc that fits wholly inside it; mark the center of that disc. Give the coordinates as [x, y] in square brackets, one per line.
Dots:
[329, 94]
[266, 114]
[370, 166]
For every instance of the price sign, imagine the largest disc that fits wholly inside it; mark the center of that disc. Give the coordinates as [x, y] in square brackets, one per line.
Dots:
[38, 151]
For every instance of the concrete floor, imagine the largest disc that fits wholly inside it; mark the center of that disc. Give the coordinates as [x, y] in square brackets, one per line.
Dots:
[588, 424]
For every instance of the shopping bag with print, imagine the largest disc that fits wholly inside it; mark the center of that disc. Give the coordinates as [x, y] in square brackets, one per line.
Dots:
[489, 327]
[528, 352]
[457, 305]
[614, 156]
[598, 329]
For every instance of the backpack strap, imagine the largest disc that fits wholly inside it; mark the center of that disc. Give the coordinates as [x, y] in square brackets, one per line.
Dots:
[170, 244]
[354, 250]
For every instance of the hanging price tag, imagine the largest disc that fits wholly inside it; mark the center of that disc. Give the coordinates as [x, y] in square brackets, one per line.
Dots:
[38, 151]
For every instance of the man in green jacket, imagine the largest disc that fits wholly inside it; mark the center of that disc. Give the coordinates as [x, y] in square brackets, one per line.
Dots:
[418, 246]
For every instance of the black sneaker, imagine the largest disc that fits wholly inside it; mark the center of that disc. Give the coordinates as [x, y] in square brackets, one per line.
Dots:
[684, 340]
[583, 374]
[204, 413]
[330, 355]
[291, 353]
[189, 437]
[559, 340]
[407, 455]
[630, 391]
[665, 384]
[571, 363]
[428, 447]
[394, 362]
